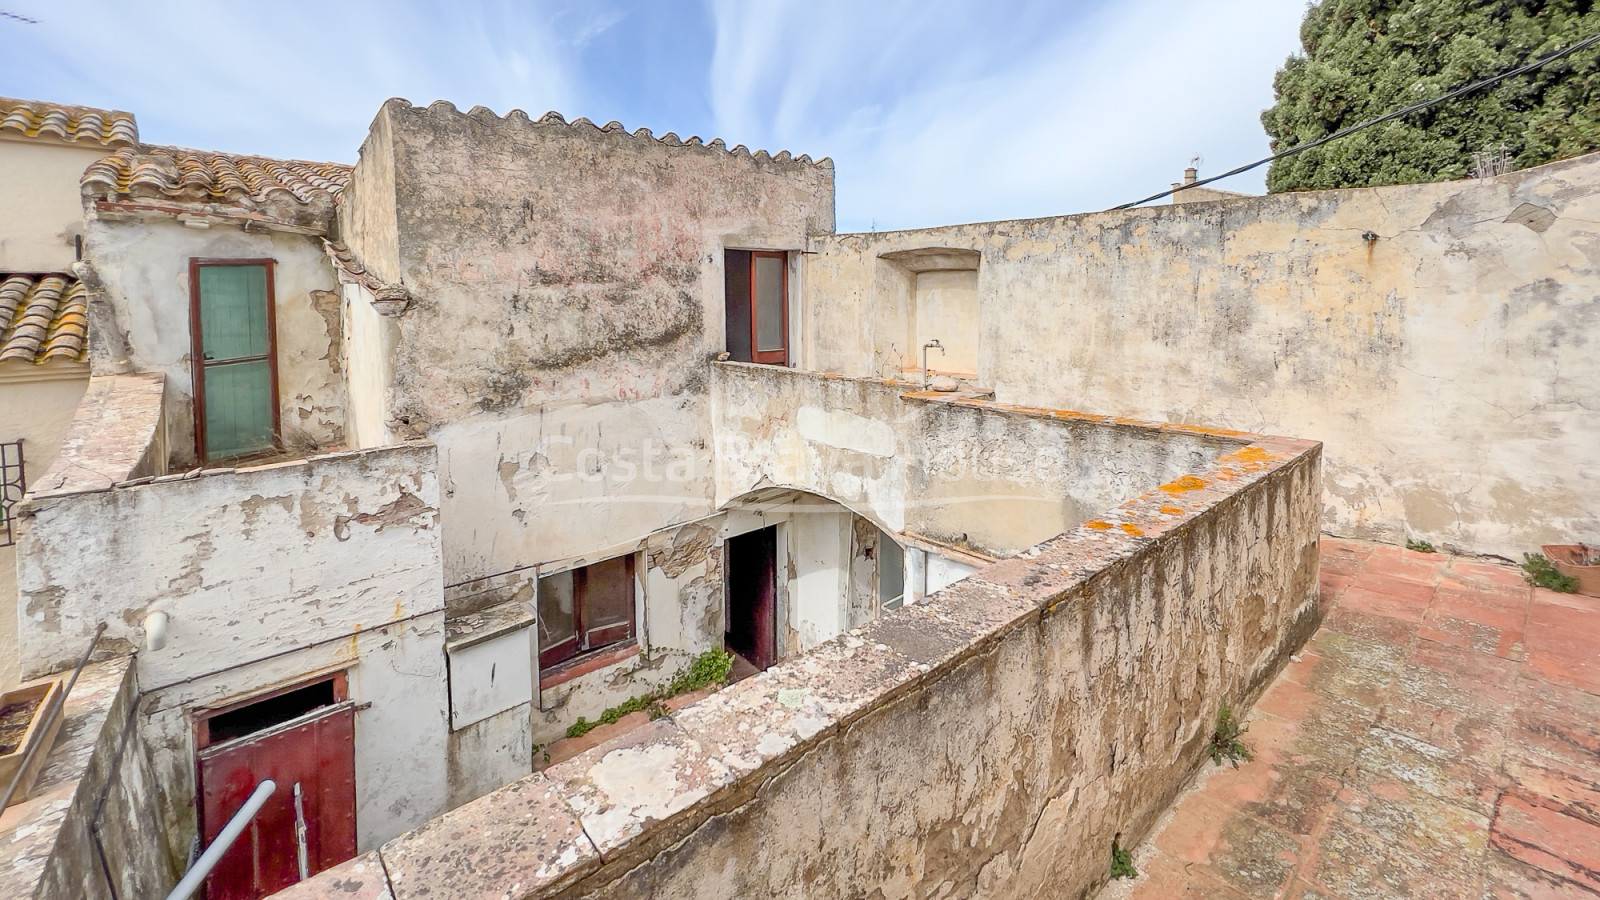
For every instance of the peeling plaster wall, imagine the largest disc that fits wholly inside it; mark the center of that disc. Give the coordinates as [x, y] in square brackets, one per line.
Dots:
[567, 294]
[1080, 716]
[269, 575]
[247, 563]
[38, 411]
[963, 472]
[680, 617]
[400, 751]
[143, 265]
[987, 742]
[369, 340]
[1448, 365]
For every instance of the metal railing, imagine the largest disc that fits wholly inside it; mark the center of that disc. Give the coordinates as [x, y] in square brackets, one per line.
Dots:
[13, 484]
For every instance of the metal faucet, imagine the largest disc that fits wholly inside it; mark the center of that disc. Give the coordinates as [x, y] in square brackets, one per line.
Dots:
[931, 345]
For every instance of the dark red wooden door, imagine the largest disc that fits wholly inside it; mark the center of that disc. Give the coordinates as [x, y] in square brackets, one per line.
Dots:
[317, 752]
[753, 597]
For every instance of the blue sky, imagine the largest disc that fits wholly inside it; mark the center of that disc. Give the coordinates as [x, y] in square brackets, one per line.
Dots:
[934, 112]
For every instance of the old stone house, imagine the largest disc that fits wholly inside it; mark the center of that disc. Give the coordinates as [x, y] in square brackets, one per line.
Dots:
[417, 461]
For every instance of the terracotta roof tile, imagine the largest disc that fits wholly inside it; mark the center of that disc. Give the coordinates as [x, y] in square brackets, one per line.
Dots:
[43, 317]
[175, 173]
[69, 123]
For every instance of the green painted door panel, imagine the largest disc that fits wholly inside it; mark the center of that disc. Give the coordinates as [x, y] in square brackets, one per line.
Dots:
[233, 312]
[238, 408]
[236, 367]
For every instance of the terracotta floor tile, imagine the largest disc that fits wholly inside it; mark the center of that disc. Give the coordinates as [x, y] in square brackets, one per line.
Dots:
[1342, 565]
[1562, 630]
[1256, 859]
[1397, 591]
[1332, 584]
[1568, 671]
[1506, 878]
[1356, 864]
[1574, 794]
[1163, 878]
[1407, 568]
[1389, 631]
[1438, 737]
[1563, 845]
[1195, 830]
[1391, 761]
[1555, 726]
[1487, 573]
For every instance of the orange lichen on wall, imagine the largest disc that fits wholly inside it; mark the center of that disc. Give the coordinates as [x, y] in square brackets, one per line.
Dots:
[1132, 529]
[1253, 459]
[1172, 510]
[1184, 485]
[1099, 526]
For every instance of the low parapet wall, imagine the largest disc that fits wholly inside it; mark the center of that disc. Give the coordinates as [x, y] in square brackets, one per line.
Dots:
[989, 741]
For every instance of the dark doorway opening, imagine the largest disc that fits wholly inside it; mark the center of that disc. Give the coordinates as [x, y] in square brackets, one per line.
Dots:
[752, 596]
[264, 714]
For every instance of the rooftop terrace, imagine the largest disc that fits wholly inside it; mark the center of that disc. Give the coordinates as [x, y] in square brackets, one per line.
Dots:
[1438, 737]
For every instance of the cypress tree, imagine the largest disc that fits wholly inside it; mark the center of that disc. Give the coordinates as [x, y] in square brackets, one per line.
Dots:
[1363, 58]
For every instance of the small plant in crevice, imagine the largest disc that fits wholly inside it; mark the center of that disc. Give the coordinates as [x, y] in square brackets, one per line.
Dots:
[1121, 859]
[1225, 741]
[1541, 572]
[709, 668]
[1419, 546]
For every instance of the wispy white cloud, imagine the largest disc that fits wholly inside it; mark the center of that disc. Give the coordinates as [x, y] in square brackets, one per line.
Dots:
[297, 78]
[1107, 108]
[934, 111]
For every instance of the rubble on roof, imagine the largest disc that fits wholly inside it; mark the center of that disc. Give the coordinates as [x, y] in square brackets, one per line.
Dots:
[388, 298]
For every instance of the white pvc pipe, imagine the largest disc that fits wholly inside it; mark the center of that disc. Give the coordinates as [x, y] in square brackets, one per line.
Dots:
[155, 630]
[230, 833]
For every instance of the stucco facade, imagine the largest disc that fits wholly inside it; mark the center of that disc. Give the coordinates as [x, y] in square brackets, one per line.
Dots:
[1000, 628]
[1437, 337]
[141, 265]
[41, 217]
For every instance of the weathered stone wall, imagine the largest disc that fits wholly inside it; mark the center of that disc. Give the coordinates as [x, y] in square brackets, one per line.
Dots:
[1448, 364]
[268, 575]
[959, 471]
[109, 841]
[986, 742]
[567, 290]
[141, 268]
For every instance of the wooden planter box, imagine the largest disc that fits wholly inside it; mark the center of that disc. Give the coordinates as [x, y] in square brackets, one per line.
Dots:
[47, 694]
[1565, 558]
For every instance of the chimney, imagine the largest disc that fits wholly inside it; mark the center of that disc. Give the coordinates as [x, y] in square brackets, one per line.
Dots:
[1190, 175]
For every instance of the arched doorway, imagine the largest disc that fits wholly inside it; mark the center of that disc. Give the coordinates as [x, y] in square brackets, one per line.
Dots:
[800, 569]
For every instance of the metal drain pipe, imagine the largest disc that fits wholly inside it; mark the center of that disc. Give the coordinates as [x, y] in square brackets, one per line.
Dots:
[230, 833]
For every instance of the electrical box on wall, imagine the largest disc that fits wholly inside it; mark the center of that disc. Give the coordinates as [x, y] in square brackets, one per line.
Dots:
[490, 675]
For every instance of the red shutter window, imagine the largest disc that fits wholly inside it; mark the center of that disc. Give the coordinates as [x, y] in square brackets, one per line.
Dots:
[757, 305]
[585, 609]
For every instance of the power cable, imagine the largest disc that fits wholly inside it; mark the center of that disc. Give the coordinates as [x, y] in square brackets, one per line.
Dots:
[1527, 67]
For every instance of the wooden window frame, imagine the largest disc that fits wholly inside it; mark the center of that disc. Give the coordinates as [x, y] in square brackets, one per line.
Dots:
[197, 351]
[583, 655]
[769, 357]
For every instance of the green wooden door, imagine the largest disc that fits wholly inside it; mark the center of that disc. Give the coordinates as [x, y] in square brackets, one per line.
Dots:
[235, 361]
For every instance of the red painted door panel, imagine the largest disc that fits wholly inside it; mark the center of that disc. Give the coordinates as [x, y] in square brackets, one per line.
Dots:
[317, 752]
